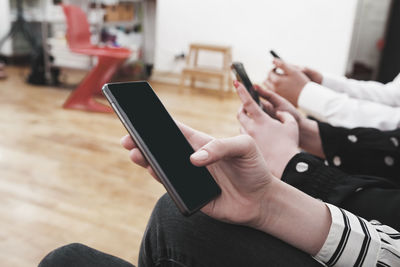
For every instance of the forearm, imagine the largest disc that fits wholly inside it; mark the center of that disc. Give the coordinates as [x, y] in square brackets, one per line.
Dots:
[387, 94]
[341, 110]
[366, 151]
[296, 218]
[310, 139]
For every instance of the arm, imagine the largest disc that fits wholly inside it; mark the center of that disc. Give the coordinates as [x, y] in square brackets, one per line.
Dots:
[353, 241]
[280, 209]
[331, 185]
[341, 110]
[365, 151]
[327, 105]
[388, 94]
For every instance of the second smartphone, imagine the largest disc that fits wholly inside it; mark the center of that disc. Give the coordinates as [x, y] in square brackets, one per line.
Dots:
[241, 76]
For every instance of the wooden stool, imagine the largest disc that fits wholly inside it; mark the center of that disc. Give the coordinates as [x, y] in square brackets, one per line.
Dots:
[193, 70]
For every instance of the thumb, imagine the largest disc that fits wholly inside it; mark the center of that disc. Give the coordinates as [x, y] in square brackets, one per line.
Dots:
[218, 149]
[287, 68]
[285, 117]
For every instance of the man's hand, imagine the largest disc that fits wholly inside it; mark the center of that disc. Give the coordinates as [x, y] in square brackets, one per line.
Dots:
[237, 166]
[277, 139]
[289, 84]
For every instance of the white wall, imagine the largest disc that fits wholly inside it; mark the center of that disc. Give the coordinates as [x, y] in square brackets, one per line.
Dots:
[5, 26]
[312, 32]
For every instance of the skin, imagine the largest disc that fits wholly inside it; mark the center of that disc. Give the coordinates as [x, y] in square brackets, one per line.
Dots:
[251, 194]
[309, 136]
[281, 136]
[312, 74]
[289, 84]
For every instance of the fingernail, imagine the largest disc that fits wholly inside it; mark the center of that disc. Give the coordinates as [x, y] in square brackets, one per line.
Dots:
[236, 83]
[200, 155]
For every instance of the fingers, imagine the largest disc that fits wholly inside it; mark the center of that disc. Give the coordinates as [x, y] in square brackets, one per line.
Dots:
[265, 93]
[287, 68]
[242, 117]
[272, 97]
[127, 142]
[285, 117]
[196, 138]
[218, 149]
[152, 173]
[248, 102]
[137, 157]
[274, 79]
[268, 107]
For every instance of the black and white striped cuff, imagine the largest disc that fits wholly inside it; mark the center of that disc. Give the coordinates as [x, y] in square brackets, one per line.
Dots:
[352, 241]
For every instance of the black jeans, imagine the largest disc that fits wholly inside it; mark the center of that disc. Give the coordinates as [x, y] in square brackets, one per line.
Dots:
[174, 240]
[78, 255]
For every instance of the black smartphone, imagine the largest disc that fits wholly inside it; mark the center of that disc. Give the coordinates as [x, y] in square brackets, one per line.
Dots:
[163, 144]
[275, 55]
[241, 76]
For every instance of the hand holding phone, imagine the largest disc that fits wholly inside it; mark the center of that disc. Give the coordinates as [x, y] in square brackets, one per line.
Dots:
[163, 144]
[241, 76]
[275, 55]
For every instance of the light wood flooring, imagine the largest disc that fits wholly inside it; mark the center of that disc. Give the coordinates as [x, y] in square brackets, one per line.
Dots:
[65, 178]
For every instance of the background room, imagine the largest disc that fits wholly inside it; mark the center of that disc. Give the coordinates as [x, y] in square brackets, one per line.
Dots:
[64, 176]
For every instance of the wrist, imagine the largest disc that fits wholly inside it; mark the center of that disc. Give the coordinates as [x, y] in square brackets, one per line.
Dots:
[279, 161]
[319, 78]
[310, 139]
[294, 217]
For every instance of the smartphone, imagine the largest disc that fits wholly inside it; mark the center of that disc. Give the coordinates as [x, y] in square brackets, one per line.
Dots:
[275, 55]
[241, 76]
[163, 144]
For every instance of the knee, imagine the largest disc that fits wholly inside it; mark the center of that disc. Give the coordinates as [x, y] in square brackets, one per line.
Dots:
[62, 256]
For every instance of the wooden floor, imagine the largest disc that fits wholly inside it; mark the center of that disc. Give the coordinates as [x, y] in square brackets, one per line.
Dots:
[65, 178]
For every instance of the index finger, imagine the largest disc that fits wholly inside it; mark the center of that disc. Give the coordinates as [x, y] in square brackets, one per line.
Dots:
[248, 102]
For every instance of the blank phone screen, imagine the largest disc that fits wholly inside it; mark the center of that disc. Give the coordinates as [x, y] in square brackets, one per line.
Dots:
[166, 143]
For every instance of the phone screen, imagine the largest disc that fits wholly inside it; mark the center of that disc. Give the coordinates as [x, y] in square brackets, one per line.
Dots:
[194, 186]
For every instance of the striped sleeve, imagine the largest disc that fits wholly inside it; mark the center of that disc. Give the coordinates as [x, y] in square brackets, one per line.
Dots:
[353, 241]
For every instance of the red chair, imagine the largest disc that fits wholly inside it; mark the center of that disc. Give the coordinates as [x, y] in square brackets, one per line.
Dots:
[109, 58]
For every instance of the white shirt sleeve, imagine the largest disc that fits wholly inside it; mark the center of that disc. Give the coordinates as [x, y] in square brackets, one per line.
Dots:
[353, 241]
[388, 94]
[339, 109]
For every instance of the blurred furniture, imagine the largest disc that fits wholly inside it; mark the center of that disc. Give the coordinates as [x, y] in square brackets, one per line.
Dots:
[20, 26]
[108, 60]
[194, 71]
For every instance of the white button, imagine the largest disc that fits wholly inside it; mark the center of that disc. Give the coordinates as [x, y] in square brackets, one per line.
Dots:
[359, 189]
[337, 161]
[326, 163]
[301, 167]
[394, 141]
[389, 161]
[352, 138]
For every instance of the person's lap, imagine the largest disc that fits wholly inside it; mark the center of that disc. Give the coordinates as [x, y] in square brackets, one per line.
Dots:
[172, 239]
[78, 255]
